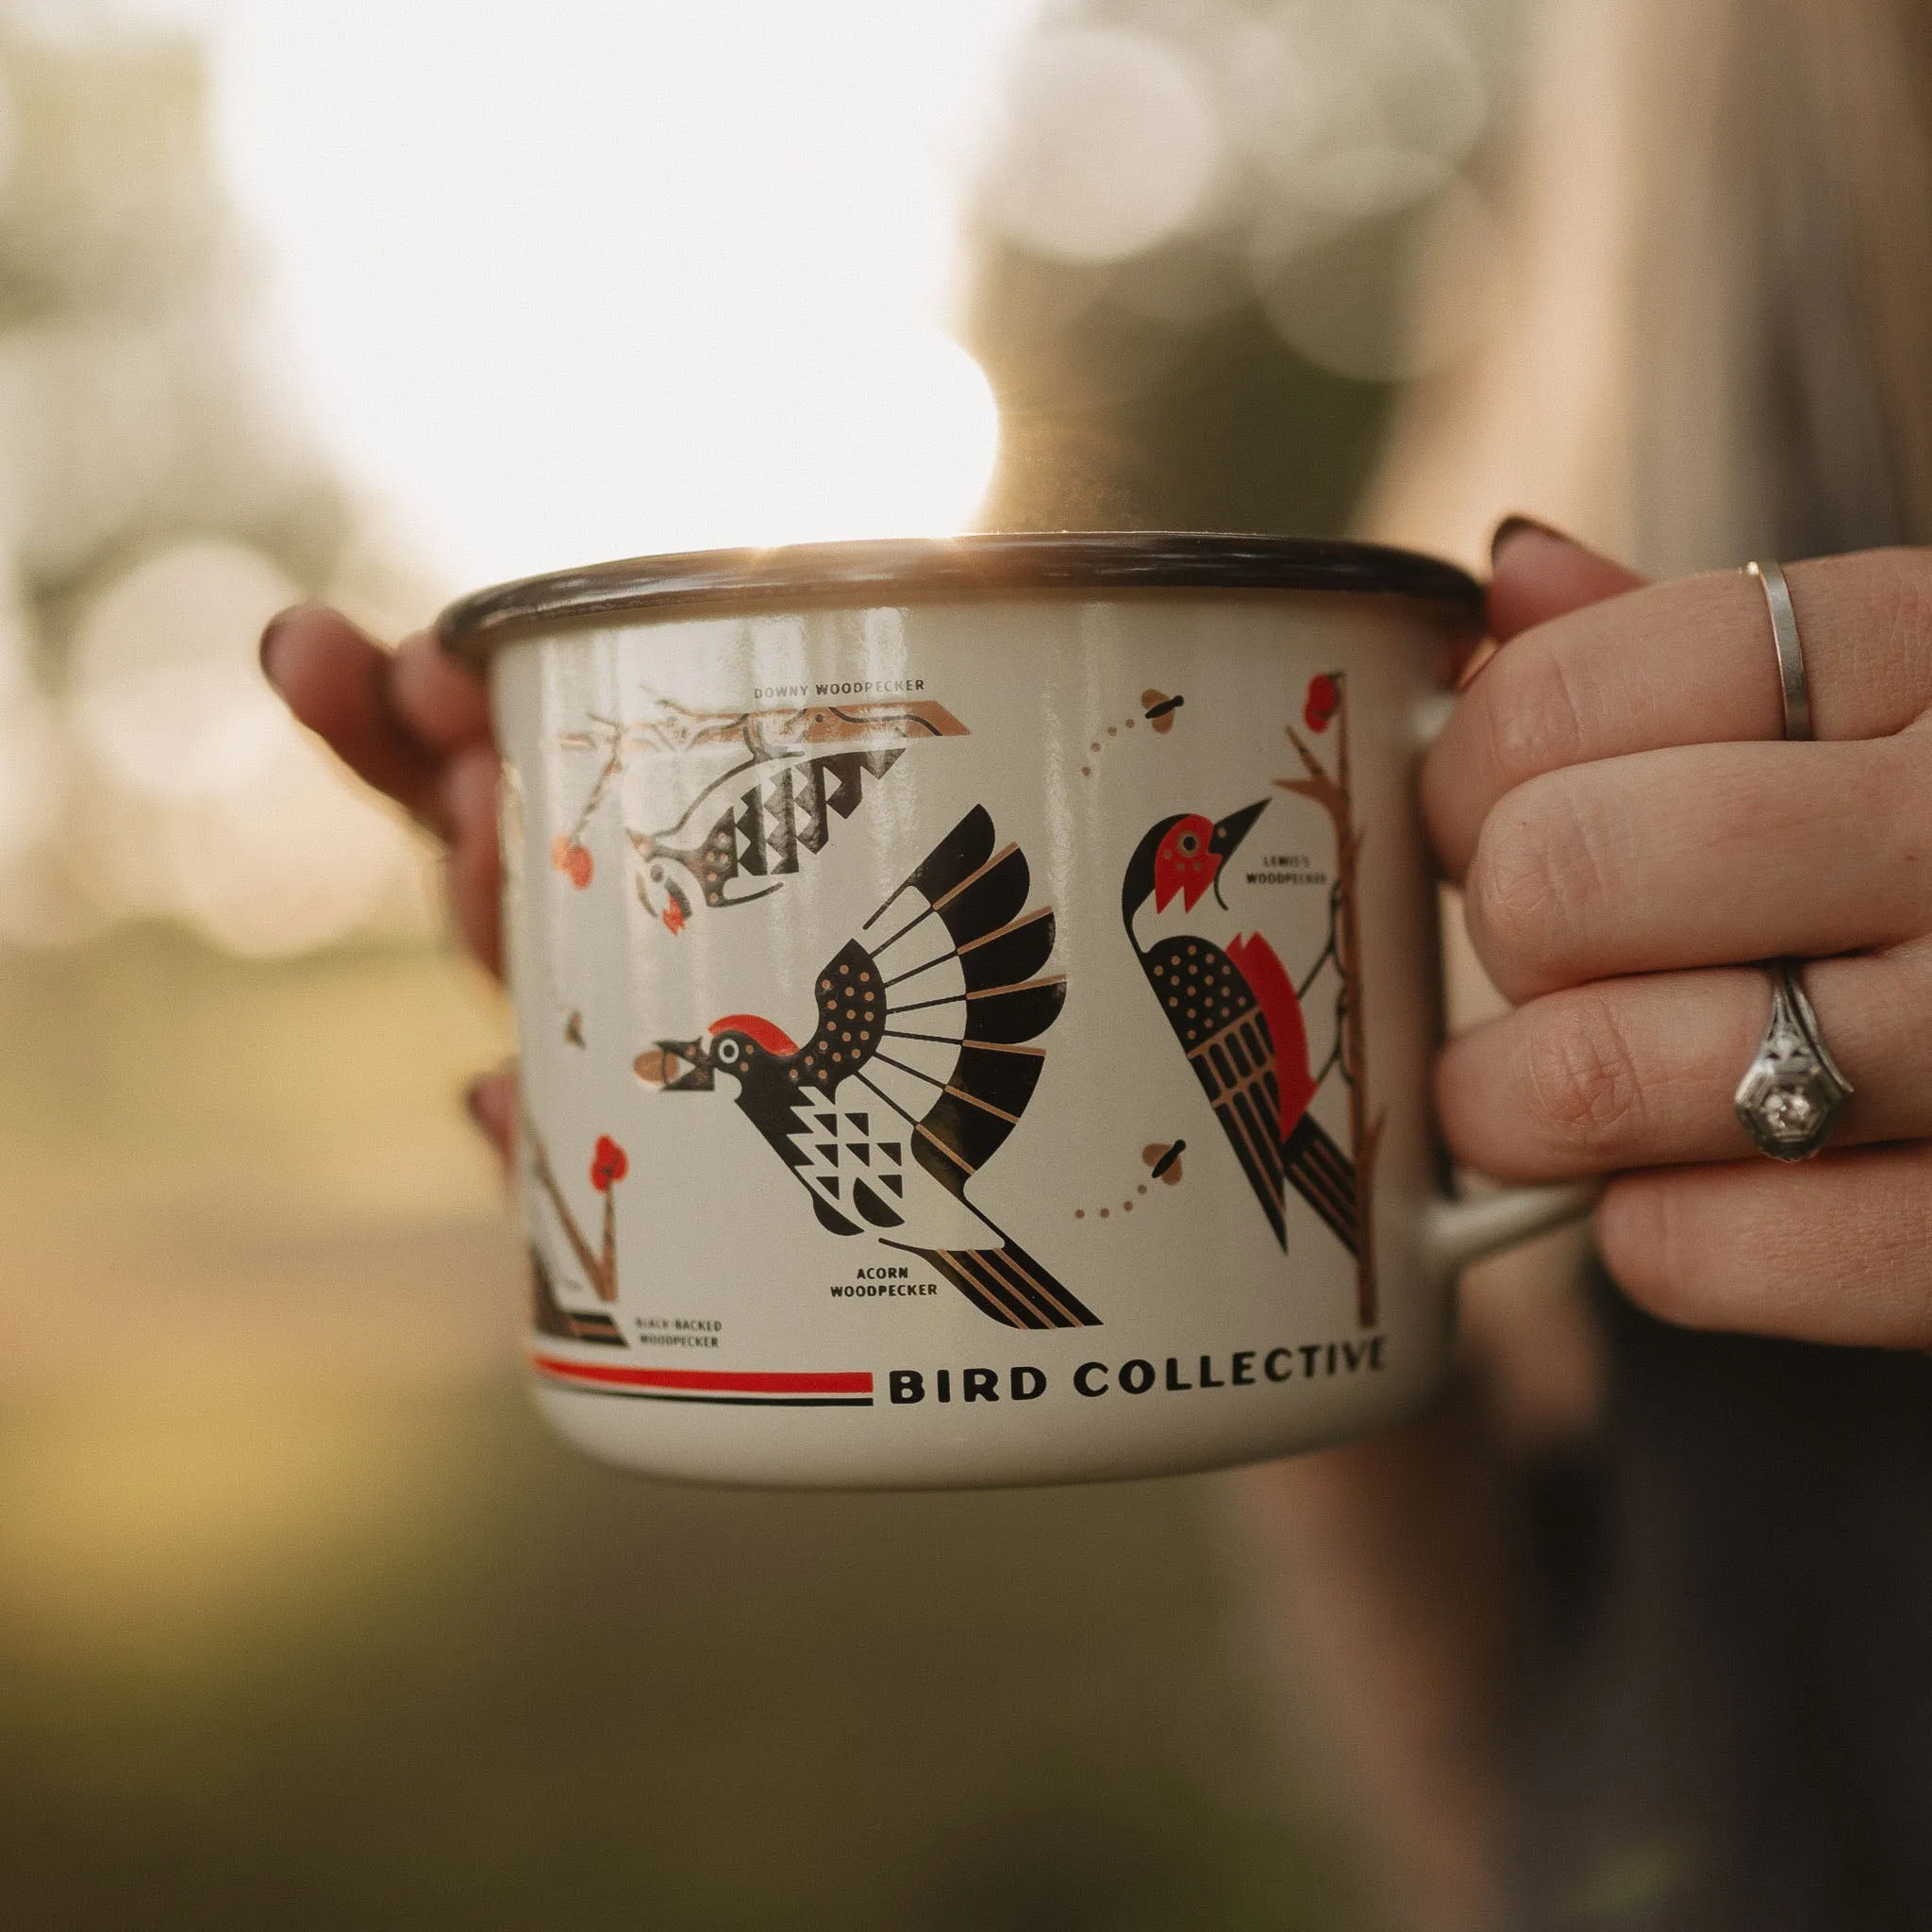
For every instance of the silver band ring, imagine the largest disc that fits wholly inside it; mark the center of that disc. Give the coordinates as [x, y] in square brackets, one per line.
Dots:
[1792, 1091]
[1790, 654]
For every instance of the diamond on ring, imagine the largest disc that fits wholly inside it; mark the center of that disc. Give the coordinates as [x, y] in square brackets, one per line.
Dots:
[1792, 1091]
[1789, 1111]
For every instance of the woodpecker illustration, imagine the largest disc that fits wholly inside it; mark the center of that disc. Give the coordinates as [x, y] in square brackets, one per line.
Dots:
[765, 833]
[1237, 1016]
[917, 1072]
[797, 790]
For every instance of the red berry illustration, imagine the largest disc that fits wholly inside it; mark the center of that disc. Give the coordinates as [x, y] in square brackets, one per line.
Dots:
[608, 1164]
[673, 916]
[1325, 700]
[568, 857]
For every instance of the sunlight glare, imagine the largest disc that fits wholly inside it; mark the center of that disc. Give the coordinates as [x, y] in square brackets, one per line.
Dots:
[597, 280]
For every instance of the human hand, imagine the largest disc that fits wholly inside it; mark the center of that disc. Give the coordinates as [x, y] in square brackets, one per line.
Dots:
[1631, 832]
[415, 724]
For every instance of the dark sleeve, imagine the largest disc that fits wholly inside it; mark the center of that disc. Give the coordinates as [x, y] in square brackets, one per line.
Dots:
[1727, 1721]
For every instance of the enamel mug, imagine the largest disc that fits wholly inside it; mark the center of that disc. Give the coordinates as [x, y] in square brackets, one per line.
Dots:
[976, 1003]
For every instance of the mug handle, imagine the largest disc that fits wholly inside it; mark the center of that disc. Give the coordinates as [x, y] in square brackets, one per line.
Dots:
[1456, 1233]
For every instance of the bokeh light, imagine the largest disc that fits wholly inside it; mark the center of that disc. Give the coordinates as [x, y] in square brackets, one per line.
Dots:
[1311, 157]
[331, 297]
[31, 746]
[228, 815]
[334, 297]
[615, 279]
[162, 697]
[1111, 144]
[1403, 291]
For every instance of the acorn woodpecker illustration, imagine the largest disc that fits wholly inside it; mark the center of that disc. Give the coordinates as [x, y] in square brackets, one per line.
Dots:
[1237, 1016]
[919, 1068]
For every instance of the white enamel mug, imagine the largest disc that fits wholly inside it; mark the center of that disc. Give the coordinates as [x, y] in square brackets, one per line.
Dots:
[976, 1003]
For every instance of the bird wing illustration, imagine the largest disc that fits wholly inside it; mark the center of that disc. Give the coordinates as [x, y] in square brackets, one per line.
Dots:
[793, 791]
[765, 834]
[1260, 965]
[961, 996]
[1237, 1018]
[1222, 1023]
[920, 1066]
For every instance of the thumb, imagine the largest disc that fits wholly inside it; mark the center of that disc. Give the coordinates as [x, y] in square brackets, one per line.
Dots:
[1537, 574]
[491, 1103]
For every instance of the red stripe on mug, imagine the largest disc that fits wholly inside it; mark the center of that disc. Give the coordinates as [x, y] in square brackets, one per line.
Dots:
[708, 1381]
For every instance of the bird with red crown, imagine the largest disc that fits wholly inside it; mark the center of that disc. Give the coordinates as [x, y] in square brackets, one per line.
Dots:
[1235, 1012]
[920, 1065]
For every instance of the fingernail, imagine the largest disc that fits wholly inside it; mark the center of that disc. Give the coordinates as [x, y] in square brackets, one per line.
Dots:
[1479, 661]
[271, 631]
[1512, 528]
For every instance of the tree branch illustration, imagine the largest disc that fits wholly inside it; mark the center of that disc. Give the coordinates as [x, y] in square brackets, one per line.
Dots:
[767, 737]
[600, 1269]
[1332, 794]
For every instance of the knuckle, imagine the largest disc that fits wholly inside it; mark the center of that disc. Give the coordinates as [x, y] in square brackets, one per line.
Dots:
[1651, 1251]
[1530, 712]
[1873, 1266]
[1891, 780]
[1883, 600]
[1900, 796]
[1529, 886]
[1907, 593]
[1583, 1084]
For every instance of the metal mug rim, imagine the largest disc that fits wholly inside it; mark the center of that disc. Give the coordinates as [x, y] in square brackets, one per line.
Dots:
[925, 570]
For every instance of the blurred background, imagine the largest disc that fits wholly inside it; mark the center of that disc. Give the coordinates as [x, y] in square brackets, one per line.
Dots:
[303, 1619]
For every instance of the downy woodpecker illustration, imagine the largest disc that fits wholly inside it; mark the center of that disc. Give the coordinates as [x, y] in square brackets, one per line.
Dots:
[807, 766]
[918, 1070]
[1238, 1017]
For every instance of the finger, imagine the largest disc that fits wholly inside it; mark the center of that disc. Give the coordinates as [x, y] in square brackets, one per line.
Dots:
[1641, 1072]
[1683, 663]
[444, 703]
[1538, 574]
[1838, 1249]
[468, 794]
[1702, 855]
[335, 681]
[491, 1103]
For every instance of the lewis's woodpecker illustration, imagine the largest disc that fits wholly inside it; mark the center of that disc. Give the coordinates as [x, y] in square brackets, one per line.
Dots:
[1236, 1014]
[918, 1070]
